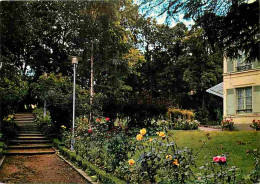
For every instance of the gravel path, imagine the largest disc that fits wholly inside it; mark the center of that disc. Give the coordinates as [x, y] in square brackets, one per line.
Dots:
[209, 129]
[38, 169]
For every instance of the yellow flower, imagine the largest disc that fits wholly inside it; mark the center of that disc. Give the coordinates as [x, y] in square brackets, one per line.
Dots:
[162, 134]
[62, 126]
[131, 162]
[139, 137]
[143, 131]
[169, 157]
[150, 140]
[157, 133]
[175, 162]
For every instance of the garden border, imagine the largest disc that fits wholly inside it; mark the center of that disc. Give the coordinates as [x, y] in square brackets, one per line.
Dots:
[80, 171]
[2, 161]
[90, 168]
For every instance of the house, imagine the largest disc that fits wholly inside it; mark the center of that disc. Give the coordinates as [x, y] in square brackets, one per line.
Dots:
[240, 91]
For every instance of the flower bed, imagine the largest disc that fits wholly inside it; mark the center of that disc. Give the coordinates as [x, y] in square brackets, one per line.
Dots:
[255, 124]
[91, 169]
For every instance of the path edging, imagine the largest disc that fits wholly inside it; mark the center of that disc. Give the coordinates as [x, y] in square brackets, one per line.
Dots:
[2, 161]
[80, 171]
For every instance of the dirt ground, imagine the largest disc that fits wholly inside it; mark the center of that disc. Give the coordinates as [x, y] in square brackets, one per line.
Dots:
[38, 169]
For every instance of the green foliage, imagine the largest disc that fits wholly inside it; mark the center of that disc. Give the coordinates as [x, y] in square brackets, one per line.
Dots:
[102, 176]
[13, 87]
[227, 124]
[186, 124]
[9, 127]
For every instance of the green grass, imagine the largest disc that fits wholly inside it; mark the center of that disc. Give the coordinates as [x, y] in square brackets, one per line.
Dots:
[229, 141]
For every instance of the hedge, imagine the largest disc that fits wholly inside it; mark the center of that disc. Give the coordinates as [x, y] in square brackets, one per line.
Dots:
[89, 168]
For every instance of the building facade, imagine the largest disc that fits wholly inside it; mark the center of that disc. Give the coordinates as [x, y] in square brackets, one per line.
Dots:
[241, 91]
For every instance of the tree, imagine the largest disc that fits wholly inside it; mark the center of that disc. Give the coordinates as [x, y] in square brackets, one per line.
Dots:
[234, 22]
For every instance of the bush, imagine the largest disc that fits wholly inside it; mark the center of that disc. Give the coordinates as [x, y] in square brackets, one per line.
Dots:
[9, 128]
[256, 124]
[88, 167]
[227, 124]
[186, 124]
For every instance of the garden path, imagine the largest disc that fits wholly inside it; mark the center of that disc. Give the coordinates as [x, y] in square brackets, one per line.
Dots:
[209, 129]
[38, 169]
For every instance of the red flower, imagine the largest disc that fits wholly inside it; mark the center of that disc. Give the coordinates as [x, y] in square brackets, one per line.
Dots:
[222, 159]
[97, 120]
[107, 119]
[216, 159]
[254, 121]
[90, 131]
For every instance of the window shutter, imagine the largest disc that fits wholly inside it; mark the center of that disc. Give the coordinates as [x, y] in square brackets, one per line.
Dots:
[230, 65]
[231, 102]
[256, 99]
[256, 64]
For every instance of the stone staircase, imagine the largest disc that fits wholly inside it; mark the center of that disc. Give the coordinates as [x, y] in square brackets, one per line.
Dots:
[30, 141]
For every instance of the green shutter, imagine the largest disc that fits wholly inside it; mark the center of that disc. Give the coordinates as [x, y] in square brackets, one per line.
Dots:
[230, 65]
[256, 64]
[231, 102]
[256, 99]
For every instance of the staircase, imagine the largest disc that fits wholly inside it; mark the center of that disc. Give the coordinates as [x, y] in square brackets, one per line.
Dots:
[29, 141]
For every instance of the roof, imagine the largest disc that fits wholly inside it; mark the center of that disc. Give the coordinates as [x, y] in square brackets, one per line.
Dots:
[216, 90]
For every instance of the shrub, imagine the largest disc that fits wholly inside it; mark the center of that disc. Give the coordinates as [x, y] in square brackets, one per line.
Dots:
[186, 124]
[255, 124]
[227, 124]
[9, 128]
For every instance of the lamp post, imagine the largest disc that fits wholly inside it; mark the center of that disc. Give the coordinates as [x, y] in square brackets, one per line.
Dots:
[74, 62]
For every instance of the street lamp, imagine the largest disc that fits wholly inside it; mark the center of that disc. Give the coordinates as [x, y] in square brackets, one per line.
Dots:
[74, 62]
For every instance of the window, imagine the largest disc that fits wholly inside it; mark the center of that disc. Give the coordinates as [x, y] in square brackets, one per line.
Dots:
[244, 100]
[242, 65]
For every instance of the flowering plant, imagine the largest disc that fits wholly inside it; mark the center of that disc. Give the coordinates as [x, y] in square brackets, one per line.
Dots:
[9, 118]
[227, 124]
[256, 124]
[181, 124]
[220, 159]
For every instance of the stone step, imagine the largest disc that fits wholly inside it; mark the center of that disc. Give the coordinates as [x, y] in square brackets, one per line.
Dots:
[28, 129]
[27, 126]
[24, 118]
[30, 146]
[32, 138]
[30, 134]
[29, 152]
[29, 141]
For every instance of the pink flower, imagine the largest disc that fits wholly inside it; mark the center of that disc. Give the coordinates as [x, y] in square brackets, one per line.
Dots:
[222, 159]
[107, 119]
[216, 159]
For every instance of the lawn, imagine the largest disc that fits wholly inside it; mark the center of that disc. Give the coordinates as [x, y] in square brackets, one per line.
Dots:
[235, 144]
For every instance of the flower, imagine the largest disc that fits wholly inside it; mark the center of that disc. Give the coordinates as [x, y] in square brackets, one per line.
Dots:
[220, 159]
[157, 133]
[169, 157]
[139, 137]
[175, 162]
[162, 134]
[62, 126]
[216, 159]
[131, 162]
[150, 140]
[143, 131]
[107, 119]
[90, 131]
[98, 120]
[223, 159]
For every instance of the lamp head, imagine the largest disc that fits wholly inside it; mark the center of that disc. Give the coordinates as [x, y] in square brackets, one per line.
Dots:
[74, 60]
